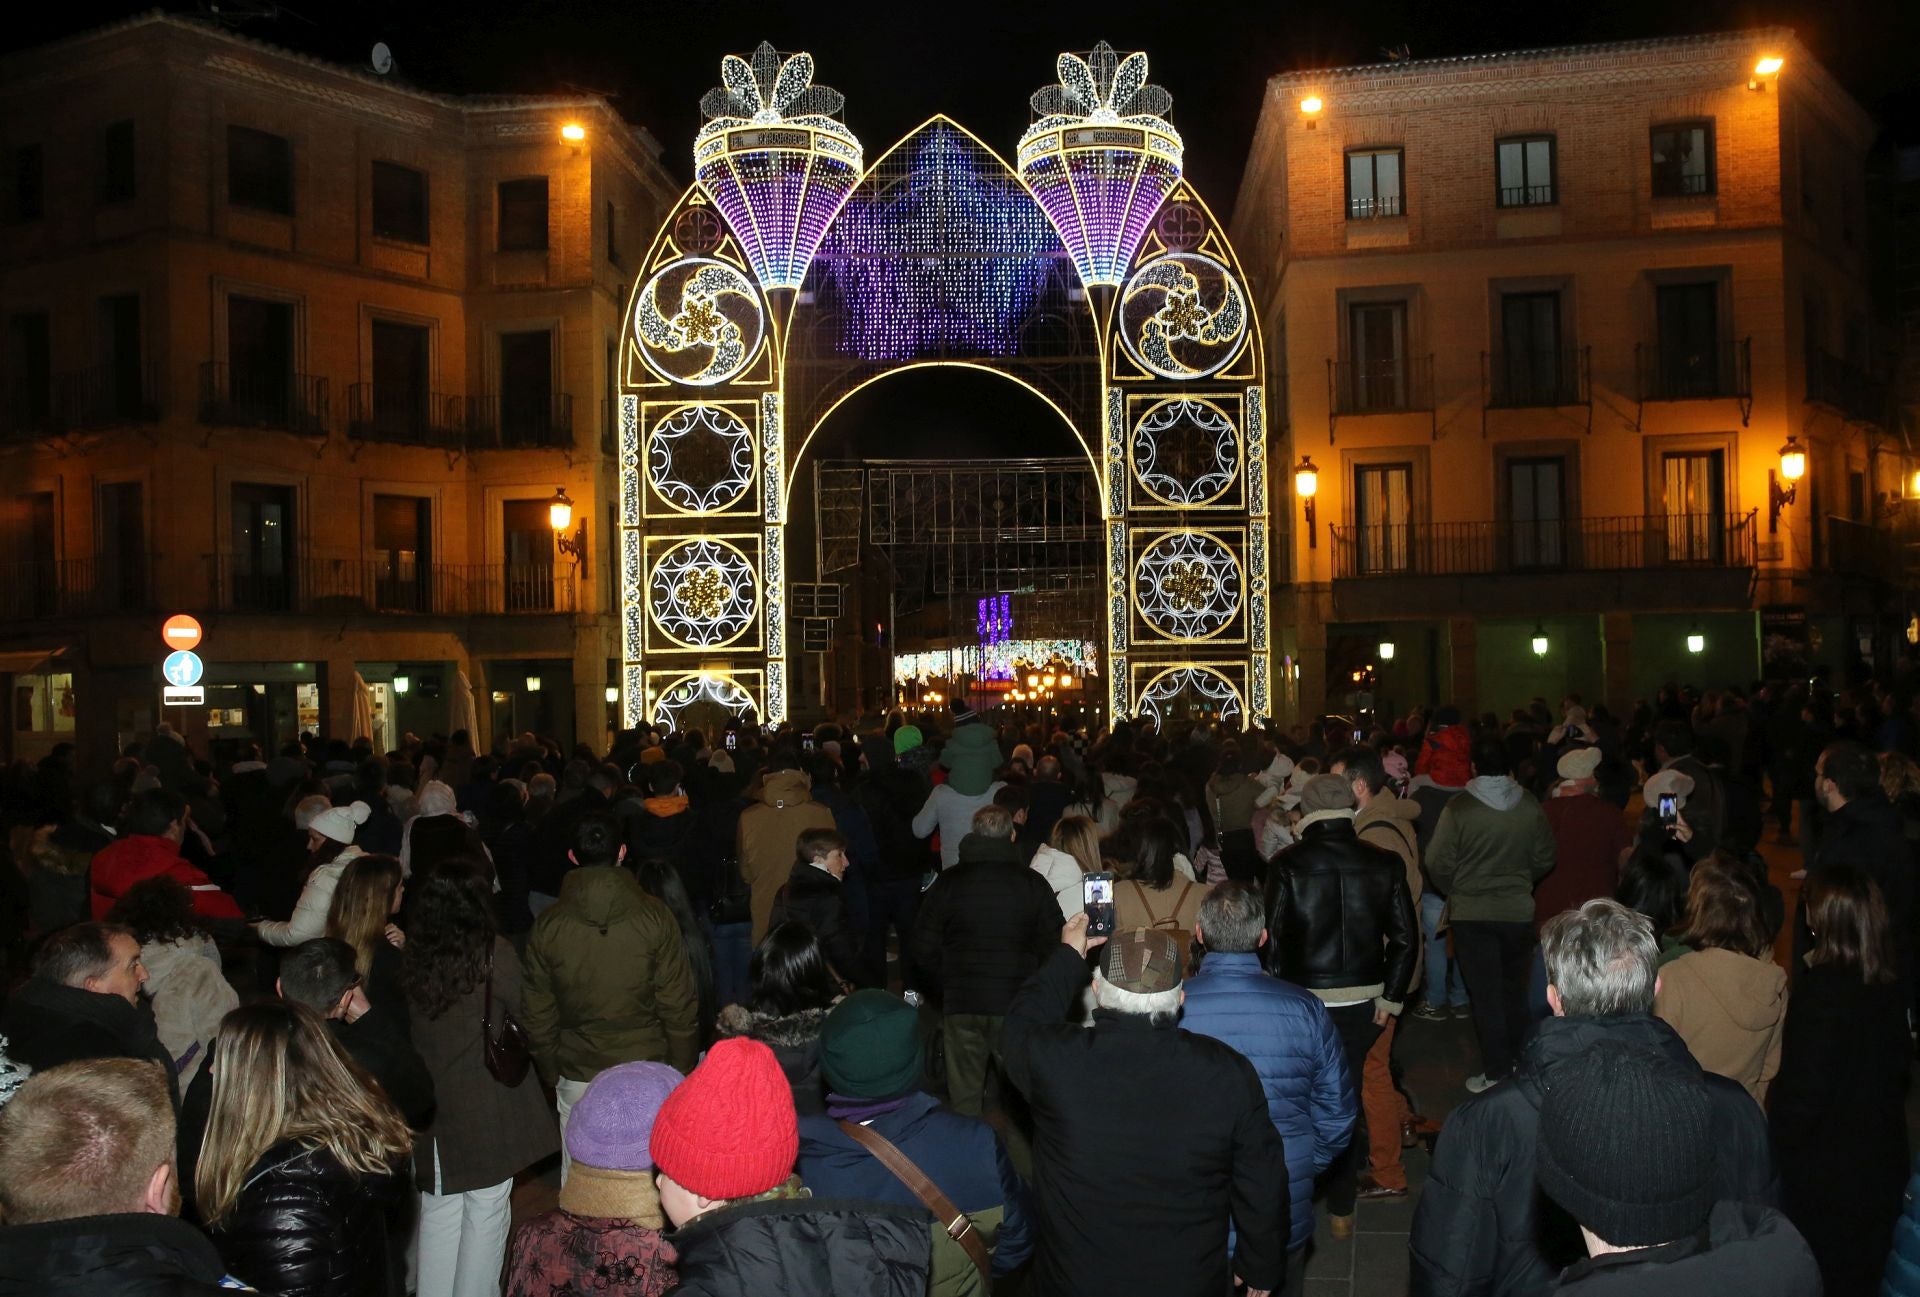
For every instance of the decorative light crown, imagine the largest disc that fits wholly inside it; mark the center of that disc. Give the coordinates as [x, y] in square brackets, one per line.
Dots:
[775, 159]
[1101, 157]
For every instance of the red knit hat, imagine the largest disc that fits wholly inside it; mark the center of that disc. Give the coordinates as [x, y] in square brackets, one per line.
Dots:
[729, 1130]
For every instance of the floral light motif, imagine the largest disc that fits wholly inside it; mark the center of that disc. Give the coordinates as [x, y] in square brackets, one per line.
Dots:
[714, 327]
[1189, 586]
[701, 592]
[1182, 316]
[775, 160]
[1100, 157]
[704, 592]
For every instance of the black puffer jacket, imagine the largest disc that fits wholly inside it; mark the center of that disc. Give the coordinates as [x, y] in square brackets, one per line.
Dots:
[133, 1255]
[1484, 1227]
[1340, 914]
[47, 1024]
[1745, 1249]
[806, 1247]
[305, 1226]
[818, 899]
[984, 926]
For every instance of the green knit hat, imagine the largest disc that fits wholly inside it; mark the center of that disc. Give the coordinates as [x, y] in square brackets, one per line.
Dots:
[870, 1046]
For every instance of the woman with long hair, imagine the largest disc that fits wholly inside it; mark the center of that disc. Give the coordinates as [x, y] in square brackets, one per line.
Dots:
[1727, 999]
[793, 988]
[299, 1171]
[659, 879]
[1071, 852]
[1153, 892]
[365, 900]
[483, 1132]
[330, 850]
[1838, 1105]
[185, 984]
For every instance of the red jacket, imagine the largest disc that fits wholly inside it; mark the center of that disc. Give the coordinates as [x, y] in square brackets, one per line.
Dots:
[140, 856]
[1445, 756]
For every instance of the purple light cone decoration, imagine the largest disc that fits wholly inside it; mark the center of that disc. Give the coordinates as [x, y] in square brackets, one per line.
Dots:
[1101, 158]
[775, 160]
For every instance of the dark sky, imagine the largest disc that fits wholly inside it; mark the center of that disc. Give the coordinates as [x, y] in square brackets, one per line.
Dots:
[900, 62]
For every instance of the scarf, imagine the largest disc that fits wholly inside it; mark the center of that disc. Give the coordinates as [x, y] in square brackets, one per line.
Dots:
[596, 1192]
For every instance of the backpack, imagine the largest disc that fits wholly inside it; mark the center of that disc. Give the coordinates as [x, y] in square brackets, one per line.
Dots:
[1182, 937]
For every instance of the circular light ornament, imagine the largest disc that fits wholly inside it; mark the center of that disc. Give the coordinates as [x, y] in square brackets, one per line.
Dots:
[1187, 585]
[700, 458]
[1185, 452]
[698, 321]
[702, 593]
[1182, 316]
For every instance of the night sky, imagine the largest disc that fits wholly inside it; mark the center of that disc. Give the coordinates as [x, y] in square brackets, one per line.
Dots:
[899, 63]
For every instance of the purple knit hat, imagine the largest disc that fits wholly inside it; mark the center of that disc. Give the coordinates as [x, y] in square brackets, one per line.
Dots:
[613, 1122]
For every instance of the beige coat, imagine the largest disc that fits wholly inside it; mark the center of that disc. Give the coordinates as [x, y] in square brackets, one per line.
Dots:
[1729, 1008]
[769, 837]
[1387, 820]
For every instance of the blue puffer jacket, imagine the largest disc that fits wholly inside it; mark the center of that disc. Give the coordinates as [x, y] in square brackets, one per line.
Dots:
[1903, 1267]
[1288, 1037]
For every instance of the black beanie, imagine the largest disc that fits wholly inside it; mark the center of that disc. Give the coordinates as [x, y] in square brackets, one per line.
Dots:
[1626, 1144]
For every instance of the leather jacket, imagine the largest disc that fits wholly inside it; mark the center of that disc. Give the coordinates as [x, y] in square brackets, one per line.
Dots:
[305, 1226]
[1339, 915]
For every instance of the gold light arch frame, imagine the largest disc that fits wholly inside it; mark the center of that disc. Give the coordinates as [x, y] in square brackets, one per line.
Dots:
[1137, 652]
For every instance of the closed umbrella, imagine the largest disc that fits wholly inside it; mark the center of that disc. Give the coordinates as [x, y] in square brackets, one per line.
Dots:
[362, 709]
[464, 716]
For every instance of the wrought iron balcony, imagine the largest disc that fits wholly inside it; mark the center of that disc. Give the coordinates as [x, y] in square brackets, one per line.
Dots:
[393, 585]
[1847, 389]
[514, 423]
[1381, 386]
[74, 587]
[280, 400]
[110, 396]
[1512, 380]
[1544, 545]
[405, 416]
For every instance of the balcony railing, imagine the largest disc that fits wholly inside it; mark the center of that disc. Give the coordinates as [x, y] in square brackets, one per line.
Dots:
[1526, 195]
[110, 396]
[285, 401]
[1381, 386]
[507, 423]
[1367, 209]
[1544, 545]
[74, 587]
[405, 416]
[366, 586]
[1512, 380]
[1844, 387]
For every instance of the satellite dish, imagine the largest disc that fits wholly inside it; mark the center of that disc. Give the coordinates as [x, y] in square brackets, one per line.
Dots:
[382, 58]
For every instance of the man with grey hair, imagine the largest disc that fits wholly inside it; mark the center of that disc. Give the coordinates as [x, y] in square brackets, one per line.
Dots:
[1288, 1036]
[1481, 1220]
[1136, 1184]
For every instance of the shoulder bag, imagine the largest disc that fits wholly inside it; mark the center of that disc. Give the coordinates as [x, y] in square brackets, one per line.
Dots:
[957, 1224]
[509, 1050]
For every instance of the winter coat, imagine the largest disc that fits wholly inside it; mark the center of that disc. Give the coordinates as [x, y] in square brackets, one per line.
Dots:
[1393, 822]
[140, 856]
[136, 1254]
[607, 980]
[766, 837]
[1903, 1266]
[806, 1247]
[1288, 1037]
[1729, 1008]
[891, 797]
[818, 899]
[1048, 800]
[1340, 917]
[1492, 844]
[950, 812]
[1483, 1226]
[1869, 834]
[190, 995]
[484, 1133]
[316, 901]
[1446, 756]
[664, 830]
[1135, 1183]
[961, 1155]
[559, 1254]
[305, 1226]
[1063, 874]
[795, 1041]
[1232, 796]
[378, 1042]
[1749, 1250]
[971, 756]
[1838, 1112]
[1171, 909]
[983, 927]
[1588, 837]
[46, 1024]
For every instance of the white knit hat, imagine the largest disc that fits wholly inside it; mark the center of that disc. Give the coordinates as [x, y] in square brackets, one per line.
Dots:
[339, 822]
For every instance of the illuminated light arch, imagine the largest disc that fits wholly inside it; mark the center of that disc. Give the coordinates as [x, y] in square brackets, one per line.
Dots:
[967, 262]
[697, 687]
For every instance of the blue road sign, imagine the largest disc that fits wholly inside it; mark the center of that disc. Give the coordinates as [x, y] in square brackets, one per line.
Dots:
[182, 669]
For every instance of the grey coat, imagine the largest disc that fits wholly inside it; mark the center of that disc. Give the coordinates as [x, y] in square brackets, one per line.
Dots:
[484, 1132]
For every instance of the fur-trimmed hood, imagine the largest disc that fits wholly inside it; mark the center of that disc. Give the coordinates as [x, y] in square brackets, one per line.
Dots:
[792, 1031]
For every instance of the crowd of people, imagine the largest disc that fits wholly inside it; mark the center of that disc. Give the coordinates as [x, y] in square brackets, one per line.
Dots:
[926, 1003]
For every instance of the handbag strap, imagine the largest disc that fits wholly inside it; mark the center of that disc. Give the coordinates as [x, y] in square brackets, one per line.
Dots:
[486, 1005]
[958, 1225]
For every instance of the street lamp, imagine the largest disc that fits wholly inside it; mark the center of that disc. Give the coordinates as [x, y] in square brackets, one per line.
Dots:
[613, 693]
[533, 684]
[560, 515]
[1539, 640]
[402, 683]
[1767, 66]
[1306, 485]
[1387, 648]
[1793, 467]
[573, 133]
[1696, 642]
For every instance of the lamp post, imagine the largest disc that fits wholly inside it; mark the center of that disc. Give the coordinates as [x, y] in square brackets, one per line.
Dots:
[1793, 467]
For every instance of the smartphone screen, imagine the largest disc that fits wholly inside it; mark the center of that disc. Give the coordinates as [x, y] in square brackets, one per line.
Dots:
[733, 740]
[1097, 901]
[1359, 735]
[806, 742]
[1667, 808]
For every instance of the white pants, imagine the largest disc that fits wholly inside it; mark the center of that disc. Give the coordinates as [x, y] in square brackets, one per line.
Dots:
[566, 1093]
[463, 1238]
